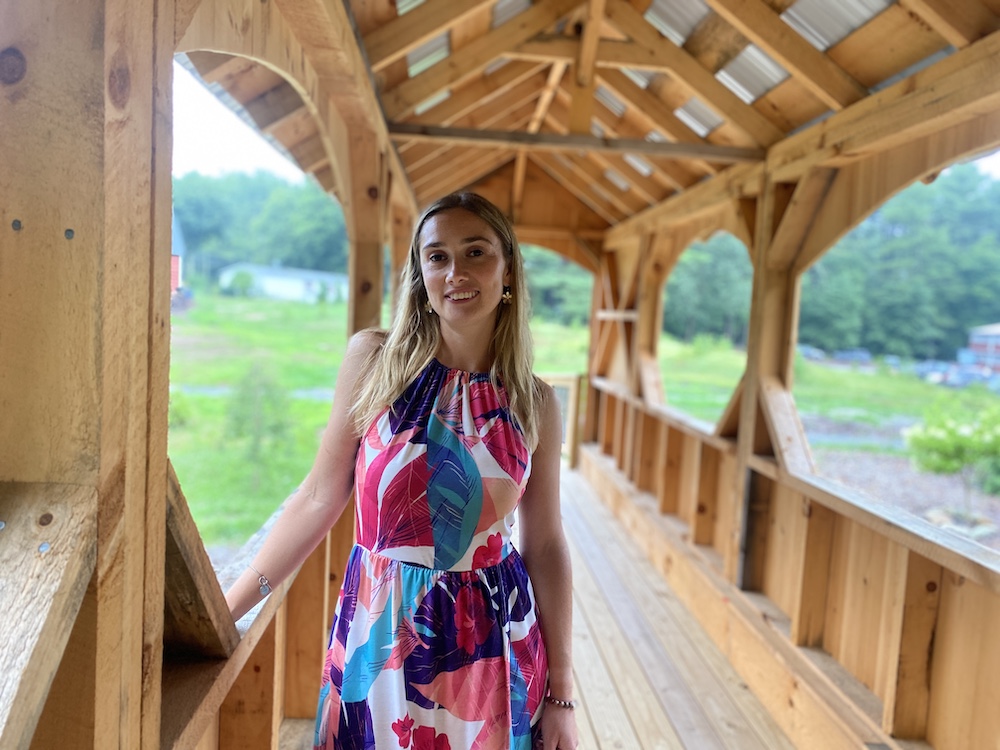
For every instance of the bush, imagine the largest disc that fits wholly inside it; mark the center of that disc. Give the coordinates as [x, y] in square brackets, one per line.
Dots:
[179, 411]
[967, 446]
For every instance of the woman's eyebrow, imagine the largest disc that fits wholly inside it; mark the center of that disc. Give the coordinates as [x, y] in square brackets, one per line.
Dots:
[466, 241]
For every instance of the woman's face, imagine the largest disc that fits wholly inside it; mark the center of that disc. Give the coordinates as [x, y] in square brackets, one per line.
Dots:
[463, 267]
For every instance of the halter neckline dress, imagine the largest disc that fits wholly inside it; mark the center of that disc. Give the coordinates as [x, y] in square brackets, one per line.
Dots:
[436, 642]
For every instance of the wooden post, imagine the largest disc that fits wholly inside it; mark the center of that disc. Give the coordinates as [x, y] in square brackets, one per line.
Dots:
[85, 211]
[365, 216]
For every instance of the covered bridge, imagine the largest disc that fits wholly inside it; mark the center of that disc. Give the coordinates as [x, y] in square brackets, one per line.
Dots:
[614, 132]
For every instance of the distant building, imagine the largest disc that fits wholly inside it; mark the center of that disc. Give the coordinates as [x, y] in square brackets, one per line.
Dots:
[984, 346]
[177, 249]
[291, 284]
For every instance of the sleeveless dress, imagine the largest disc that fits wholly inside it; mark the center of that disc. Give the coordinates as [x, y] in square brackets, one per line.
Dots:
[436, 644]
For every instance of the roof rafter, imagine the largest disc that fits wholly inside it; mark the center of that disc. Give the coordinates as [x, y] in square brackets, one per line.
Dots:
[478, 94]
[394, 40]
[817, 72]
[961, 23]
[469, 174]
[693, 74]
[571, 142]
[473, 58]
[556, 73]
[588, 43]
[581, 190]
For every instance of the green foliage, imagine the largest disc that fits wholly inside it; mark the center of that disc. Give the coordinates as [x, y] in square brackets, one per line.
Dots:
[257, 414]
[179, 411]
[709, 291]
[967, 445]
[241, 284]
[560, 290]
[915, 276]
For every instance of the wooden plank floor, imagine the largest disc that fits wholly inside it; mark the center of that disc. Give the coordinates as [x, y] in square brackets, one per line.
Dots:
[647, 676]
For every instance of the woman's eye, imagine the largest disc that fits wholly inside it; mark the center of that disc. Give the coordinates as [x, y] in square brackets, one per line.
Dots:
[435, 257]
[475, 251]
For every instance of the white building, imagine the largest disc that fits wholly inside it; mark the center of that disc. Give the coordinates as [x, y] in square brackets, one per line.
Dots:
[292, 284]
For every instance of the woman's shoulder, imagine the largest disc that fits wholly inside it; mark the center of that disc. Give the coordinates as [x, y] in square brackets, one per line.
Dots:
[366, 343]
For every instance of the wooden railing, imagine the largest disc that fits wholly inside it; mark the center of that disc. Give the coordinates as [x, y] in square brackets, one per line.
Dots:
[855, 622]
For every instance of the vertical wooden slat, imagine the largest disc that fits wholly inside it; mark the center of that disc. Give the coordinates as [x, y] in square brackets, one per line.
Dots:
[809, 612]
[247, 718]
[757, 522]
[703, 523]
[726, 503]
[306, 606]
[783, 556]
[627, 464]
[687, 482]
[670, 474]
[908, 649]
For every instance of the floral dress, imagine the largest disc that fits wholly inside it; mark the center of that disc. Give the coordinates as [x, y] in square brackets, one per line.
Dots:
[436, 642]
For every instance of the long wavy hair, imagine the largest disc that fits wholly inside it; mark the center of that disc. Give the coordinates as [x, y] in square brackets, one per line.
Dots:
[413, 338]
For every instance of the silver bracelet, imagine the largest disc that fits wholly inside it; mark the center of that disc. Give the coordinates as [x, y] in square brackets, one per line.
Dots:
[265, 585]
[571, 705]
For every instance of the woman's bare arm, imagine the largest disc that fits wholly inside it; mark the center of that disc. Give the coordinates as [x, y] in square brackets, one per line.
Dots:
[317, 504]
[546, 556]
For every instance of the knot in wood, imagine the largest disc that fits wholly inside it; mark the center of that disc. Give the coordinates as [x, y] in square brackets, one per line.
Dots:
[13, 66]
[45, 519]
[373, 192]
[366, 286]
[119, 80]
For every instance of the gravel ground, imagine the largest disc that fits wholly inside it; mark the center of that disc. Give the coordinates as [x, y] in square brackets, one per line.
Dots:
[893, 479]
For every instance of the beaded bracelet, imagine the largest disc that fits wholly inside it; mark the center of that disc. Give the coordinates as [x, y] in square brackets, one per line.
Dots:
[265, 585]
[571, 705]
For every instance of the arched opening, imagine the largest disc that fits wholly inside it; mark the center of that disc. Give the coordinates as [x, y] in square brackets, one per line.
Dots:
[259, 313]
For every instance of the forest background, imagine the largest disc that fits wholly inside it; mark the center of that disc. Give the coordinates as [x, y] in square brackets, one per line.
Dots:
[910, 281]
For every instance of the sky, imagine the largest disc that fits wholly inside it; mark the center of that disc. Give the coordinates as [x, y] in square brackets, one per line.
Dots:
[210, 139]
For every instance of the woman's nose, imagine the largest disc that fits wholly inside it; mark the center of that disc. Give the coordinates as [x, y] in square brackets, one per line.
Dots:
[456, 271]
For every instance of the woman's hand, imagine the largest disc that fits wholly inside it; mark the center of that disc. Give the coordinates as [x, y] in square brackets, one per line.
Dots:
[559, 728]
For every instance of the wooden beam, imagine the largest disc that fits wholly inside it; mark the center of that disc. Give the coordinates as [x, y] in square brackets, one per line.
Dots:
[650, 105]
[571, 142]
[310, 154]
[556, 73]
[273, 106]
[49, 535]
[736, 182]
[197, 622]
[688, 70]
[588, 44]
[583, 192]
[961, 23]
[474, 171]
[859, 188]
[961, 87]
[400, 36]
[479, 93]
[817, 72]
[472, 59]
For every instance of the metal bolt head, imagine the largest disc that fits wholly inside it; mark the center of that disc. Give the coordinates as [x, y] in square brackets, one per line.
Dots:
[69, 234]
[16, 225]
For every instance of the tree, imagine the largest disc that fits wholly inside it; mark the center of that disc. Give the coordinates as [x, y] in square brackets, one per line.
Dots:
[709, 291]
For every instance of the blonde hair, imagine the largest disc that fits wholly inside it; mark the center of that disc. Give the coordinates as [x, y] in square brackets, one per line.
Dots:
[413, 337]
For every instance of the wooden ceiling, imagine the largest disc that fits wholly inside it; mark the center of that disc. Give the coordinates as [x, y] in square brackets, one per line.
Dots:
[590, 100]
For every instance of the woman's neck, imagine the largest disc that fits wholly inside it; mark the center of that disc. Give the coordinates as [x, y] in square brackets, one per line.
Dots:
[472, 353]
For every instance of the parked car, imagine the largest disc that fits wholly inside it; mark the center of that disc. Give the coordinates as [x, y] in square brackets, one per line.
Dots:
[811, 352]
[859, 356]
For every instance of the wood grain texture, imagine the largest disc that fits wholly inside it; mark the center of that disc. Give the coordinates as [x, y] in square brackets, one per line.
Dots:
[197, 622]
[47, 555]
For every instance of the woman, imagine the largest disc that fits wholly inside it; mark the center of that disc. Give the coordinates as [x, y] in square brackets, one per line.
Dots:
[443, 432]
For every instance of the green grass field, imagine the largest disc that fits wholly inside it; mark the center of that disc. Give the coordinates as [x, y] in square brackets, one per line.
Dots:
[222, 339]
